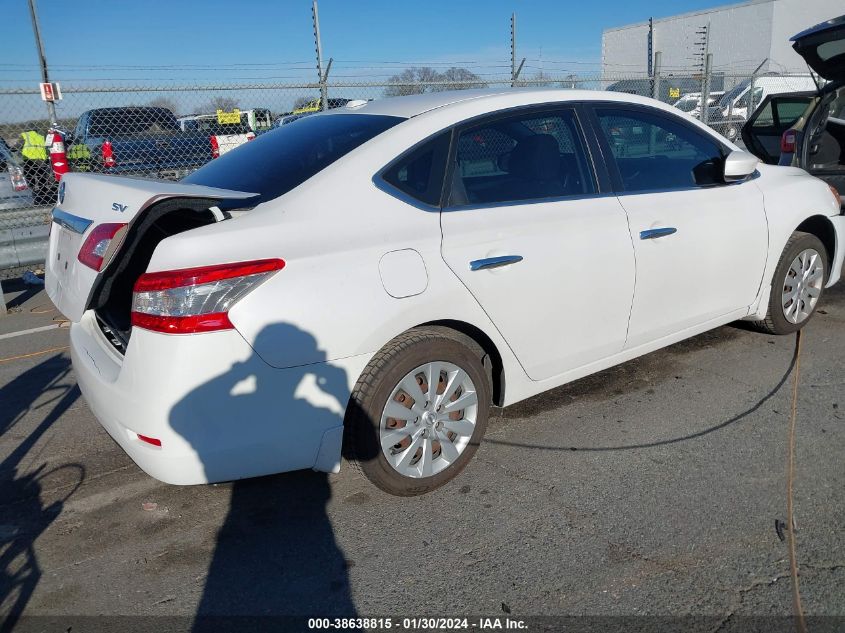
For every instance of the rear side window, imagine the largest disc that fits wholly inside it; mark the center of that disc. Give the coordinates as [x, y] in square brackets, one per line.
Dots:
[420, 173]
[528, 156]
[279, 160]
[782, 112]
[653, 152]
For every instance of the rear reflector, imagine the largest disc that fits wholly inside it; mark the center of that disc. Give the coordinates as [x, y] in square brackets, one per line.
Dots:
[97, 244]
[149, 440]
[193, 300]
[108, 154]
[787, 142]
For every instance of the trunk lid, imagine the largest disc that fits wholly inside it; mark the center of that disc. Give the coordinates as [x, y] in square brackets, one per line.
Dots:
[87, 201]
[823, 48]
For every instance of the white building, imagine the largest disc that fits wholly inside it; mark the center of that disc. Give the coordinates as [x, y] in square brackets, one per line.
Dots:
[742, 36]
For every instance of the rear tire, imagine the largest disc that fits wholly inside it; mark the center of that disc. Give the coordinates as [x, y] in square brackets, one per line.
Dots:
[797, 285]
[427, 444]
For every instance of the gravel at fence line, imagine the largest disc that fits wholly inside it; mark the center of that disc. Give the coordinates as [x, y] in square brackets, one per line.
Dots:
[17, 218]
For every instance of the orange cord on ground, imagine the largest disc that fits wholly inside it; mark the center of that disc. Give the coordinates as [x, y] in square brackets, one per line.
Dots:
[22, 356]
[798, 611]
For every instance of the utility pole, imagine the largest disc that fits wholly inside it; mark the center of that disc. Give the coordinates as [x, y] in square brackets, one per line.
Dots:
[322, 78]
[749, 108]
[655, 77]
[513, 50]
[705, 92]
[650, 46]
[704, 50]
[42, 59]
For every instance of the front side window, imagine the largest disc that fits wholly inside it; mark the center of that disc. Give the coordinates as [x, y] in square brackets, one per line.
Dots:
[653, 152]
[526, 156]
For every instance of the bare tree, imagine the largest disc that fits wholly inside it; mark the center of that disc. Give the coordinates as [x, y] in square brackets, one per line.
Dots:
[420, 79]
[222, 103]
[164, 102]
[460, 79]
[405, 83]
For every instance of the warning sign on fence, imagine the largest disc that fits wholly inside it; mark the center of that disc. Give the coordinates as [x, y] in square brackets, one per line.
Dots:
[50, 92]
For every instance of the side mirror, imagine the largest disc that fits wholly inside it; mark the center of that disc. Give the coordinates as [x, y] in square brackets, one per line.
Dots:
[739, 165]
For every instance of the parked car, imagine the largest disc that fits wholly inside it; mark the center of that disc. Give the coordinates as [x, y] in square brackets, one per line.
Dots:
[670, 86]
[14, 190]
[316, 105]
[730, 113]
[394, 269]
[691, 102]
[142, 141]
[289, 118]
[223, 137]
[807, 129]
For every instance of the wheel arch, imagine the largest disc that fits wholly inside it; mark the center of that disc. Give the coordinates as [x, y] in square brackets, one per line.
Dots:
[822, 228]
[495, 363]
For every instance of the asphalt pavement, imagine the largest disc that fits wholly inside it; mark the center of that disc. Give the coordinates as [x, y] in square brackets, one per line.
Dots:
[648, 492]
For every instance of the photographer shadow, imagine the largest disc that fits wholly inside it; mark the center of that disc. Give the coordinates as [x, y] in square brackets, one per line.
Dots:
[275, 555]
[24, 515]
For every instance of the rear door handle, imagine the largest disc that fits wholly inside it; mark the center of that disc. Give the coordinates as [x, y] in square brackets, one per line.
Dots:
[651, 234]
[494, 262]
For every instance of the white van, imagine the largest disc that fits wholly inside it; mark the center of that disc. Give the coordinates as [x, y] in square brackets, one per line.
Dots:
[734, 103]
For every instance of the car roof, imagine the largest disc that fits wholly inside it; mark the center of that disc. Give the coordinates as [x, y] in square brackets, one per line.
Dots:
[414, 105]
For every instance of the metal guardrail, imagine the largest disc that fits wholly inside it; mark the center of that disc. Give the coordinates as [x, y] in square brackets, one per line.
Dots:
[23, 242]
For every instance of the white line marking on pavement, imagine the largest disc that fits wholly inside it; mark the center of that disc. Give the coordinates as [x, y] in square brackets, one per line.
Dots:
[31, 331]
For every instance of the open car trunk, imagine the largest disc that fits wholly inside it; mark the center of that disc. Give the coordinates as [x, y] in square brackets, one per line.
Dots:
[104, 233]
[111, 297]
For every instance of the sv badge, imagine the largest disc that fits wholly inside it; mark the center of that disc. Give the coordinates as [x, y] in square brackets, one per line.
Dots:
[120, 208]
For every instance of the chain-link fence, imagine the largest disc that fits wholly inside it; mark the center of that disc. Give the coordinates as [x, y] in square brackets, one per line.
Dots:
[167, 131]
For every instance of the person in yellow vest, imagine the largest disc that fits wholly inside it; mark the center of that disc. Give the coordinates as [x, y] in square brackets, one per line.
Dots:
[36, 167]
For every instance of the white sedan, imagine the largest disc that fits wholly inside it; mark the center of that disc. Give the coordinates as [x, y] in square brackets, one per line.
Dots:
[371, 280]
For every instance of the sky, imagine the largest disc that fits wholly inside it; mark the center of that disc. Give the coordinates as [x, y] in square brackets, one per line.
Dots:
[213, 40]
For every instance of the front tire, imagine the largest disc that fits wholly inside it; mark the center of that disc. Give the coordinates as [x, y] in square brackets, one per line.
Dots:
[797, 285]
[419, 411]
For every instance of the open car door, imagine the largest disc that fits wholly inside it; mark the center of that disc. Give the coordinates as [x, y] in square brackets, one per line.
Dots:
[763, 132]
[823, 48]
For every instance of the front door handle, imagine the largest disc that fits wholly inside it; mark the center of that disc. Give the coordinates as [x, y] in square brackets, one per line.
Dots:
[651, 234]
[494, 262]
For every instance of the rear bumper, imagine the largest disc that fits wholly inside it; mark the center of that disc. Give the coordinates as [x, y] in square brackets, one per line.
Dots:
[838, 222]
[220, 412]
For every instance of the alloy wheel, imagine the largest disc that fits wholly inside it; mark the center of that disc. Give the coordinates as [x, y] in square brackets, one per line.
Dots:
[802, 286]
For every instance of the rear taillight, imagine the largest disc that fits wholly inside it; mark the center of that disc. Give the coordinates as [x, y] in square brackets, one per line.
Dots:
[96, 245]
[250, 136]
[18, 180]
[108, 154]
[195, 300]
[215, 147]
[788, 141]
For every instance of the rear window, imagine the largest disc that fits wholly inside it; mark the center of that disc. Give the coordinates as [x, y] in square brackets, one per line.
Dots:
[276, 162]
[212, 126]
[132, 122]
